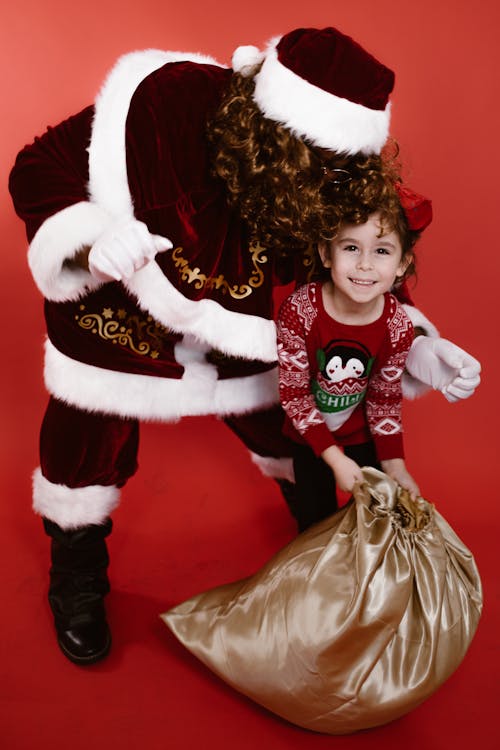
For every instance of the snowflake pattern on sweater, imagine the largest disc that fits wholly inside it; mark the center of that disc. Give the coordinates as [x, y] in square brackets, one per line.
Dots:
[341, 384]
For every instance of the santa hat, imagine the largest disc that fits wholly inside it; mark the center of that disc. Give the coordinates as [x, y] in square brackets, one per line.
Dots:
[323, 87]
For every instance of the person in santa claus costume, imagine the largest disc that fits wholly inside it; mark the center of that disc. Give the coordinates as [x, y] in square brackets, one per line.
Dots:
[160, 221]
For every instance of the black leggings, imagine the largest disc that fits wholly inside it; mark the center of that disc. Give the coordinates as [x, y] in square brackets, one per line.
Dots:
[315, 495]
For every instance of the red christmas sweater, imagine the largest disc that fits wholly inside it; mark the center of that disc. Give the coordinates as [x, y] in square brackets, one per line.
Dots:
[341, 384]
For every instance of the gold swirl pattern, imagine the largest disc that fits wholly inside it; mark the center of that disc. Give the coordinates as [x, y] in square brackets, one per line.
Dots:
[237, 291]
[310, 261]
[143, 336]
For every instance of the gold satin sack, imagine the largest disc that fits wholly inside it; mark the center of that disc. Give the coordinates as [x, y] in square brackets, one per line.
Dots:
[353, 624]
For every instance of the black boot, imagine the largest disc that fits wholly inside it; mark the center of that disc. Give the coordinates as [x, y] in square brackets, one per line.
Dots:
[78, 585]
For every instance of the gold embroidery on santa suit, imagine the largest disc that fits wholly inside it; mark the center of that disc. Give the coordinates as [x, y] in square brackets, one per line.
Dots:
[143, 336]
[237, 291]
[311, 261]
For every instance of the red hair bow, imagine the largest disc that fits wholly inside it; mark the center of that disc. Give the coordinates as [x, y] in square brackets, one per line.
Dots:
[417, 209]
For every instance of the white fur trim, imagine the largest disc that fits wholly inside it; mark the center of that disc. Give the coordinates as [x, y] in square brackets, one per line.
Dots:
[234, 333]
[147, 397]
[58, 239]
[310, 112]
[276, 468]
[72, 508]
[413, 388]
[108, 183]
[419, 320]
[246, 58]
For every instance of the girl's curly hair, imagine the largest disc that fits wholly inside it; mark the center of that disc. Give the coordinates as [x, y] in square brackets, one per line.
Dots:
[277, 181]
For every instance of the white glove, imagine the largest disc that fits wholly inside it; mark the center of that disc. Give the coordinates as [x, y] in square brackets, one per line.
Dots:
[444, 366]
[123, 248]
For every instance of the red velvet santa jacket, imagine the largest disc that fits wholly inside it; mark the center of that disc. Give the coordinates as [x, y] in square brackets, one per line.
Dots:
[192, 332]
[341, 384]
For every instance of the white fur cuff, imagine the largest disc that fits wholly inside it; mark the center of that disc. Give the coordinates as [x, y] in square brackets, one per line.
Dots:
[59, 238]
[276, 468]
[419, 320]
[413, 388]
[73, 508]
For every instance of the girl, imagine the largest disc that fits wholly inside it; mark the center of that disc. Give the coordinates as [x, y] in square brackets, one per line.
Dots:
[342, 347]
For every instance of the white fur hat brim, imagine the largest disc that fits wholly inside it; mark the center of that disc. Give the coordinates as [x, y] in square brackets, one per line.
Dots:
[310, 113]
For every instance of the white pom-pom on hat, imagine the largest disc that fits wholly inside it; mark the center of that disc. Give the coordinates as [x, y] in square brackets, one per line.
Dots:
[246, 57]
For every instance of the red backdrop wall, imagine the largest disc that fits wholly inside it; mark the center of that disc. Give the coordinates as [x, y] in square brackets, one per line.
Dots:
[446, 118]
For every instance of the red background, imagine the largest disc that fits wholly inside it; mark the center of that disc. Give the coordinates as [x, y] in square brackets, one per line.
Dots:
[227, 519]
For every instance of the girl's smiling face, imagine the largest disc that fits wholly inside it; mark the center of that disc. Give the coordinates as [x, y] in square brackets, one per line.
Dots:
[363, 262]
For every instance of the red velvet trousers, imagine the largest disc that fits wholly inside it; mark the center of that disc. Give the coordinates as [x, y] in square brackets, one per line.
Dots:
[80, 449]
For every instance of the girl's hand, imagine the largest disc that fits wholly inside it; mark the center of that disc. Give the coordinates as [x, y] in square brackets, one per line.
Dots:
[347, 472]
[396, 469]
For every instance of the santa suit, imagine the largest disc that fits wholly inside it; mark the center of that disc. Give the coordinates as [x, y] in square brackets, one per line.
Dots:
[191, 333]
